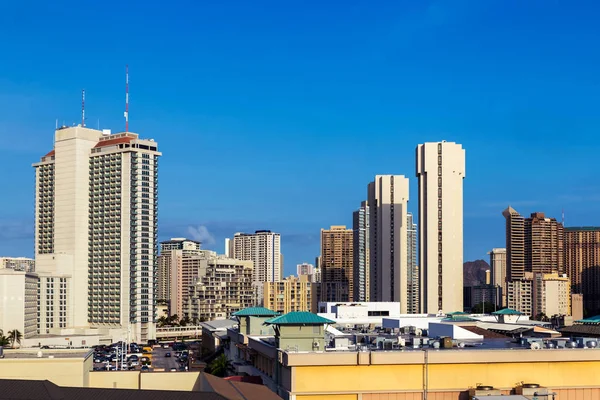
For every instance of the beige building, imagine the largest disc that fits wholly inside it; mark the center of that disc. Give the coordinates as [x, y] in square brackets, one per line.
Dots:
[539, 295]
[96, 220]
[552, 295]
[362, 269]
[337, 260]
[582, 264]
[414, 280]
[387, 197]
[263, 248]
[222, 287]
[291, 294]
[177, 270]
[17, 263]
[498, 272]
[441, 171]
[18, 302]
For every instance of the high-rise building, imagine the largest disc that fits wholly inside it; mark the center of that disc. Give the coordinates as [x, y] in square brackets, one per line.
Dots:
[95, 220]
[582, 262]
[552, 295]
[360, 227]
[291, 294]
[441, 170]
[177, 271]
[337, 260]
[413, 269]
[534, 244]
[539, 295]
[498, 265]
[305, 269]
[18, 263]
[222, 287]
[264, 249]
[388, 248]
[515, 244]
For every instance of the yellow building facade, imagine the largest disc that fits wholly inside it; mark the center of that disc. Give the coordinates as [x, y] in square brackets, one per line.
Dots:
[291, 294]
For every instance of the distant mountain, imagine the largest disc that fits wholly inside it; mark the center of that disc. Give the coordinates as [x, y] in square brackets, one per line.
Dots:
[474, 272]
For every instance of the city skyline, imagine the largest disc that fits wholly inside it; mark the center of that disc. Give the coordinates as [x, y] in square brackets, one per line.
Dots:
[378, 85]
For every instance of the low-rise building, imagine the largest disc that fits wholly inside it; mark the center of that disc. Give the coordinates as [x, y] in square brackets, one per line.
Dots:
[297, 362]
[359, 313]
[18, 263]
[540, 295]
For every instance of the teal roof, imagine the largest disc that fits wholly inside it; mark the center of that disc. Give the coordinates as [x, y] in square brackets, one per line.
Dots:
[507, 311]
[255, 312]
[452, 314]
[591, 320]
[299, 318]
[458, 318]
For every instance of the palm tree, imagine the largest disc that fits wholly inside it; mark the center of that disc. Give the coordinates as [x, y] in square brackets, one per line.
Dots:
[3, 339]
[15, 336]
[161, 321]
[220, 366]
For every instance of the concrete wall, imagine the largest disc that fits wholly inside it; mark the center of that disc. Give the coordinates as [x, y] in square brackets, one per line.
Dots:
[61, 371]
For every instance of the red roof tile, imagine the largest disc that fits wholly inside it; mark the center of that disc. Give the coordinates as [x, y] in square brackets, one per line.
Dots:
[112, 142]
[50, 154]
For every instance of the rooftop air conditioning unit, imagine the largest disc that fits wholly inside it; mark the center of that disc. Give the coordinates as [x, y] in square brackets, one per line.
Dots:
[531, 390]
[482, 390]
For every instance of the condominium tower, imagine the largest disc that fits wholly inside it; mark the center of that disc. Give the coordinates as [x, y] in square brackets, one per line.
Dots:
[95, 222]
[498, 265]
[441, 170]
[413, 305]
[582, 262]
[360, 227]
[264, 249]
[337, 275]
[177, 271]
[388, 197]
[534, 244]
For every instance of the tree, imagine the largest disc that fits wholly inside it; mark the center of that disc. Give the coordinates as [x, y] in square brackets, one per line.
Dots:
[161, 321]
[3, 339]
[219, 366]
[486, 307]
[185, 321]
[15, 336]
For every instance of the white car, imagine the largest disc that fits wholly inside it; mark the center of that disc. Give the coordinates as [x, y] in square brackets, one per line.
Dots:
[134, 363]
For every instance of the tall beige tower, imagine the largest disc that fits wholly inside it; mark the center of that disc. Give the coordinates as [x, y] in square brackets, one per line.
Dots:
[337, 276]
[96, 221]
[388, 200]
[441, 170]
[498, 264]
[264, 249]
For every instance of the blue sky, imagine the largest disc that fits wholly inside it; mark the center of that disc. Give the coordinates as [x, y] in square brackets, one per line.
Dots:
[276, 114]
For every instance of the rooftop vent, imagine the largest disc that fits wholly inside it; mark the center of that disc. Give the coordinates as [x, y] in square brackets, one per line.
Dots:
[531, 390]
[484, 390]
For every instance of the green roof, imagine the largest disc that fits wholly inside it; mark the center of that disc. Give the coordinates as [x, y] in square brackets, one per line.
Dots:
[452, 314]
[255, 312]
[299, 318]
[507, 311]
[458, 318]
[591, 320]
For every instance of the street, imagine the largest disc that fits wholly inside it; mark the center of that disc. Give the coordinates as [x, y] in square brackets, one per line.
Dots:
[160, 362]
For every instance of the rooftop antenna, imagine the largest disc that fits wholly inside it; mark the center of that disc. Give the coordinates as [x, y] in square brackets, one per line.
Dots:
[563, 217]
[126, 98]
[83, 107]
[56, 123]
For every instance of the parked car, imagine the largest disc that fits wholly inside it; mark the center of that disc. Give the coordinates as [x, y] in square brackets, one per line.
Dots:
[167, 354]
[145, 368]
[173, 369]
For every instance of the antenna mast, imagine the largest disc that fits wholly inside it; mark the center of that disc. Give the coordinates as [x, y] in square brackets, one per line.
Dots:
[83, 107]
[127, 98]
[563, 217]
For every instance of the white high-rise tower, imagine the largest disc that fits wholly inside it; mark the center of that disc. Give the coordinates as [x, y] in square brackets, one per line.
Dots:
[388, 247]
[441, 170]
[95, 221]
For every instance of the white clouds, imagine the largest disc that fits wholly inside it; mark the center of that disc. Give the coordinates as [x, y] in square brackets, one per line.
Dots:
[201, 234]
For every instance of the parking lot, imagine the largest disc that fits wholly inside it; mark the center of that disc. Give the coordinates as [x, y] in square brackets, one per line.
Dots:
[159, 362]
